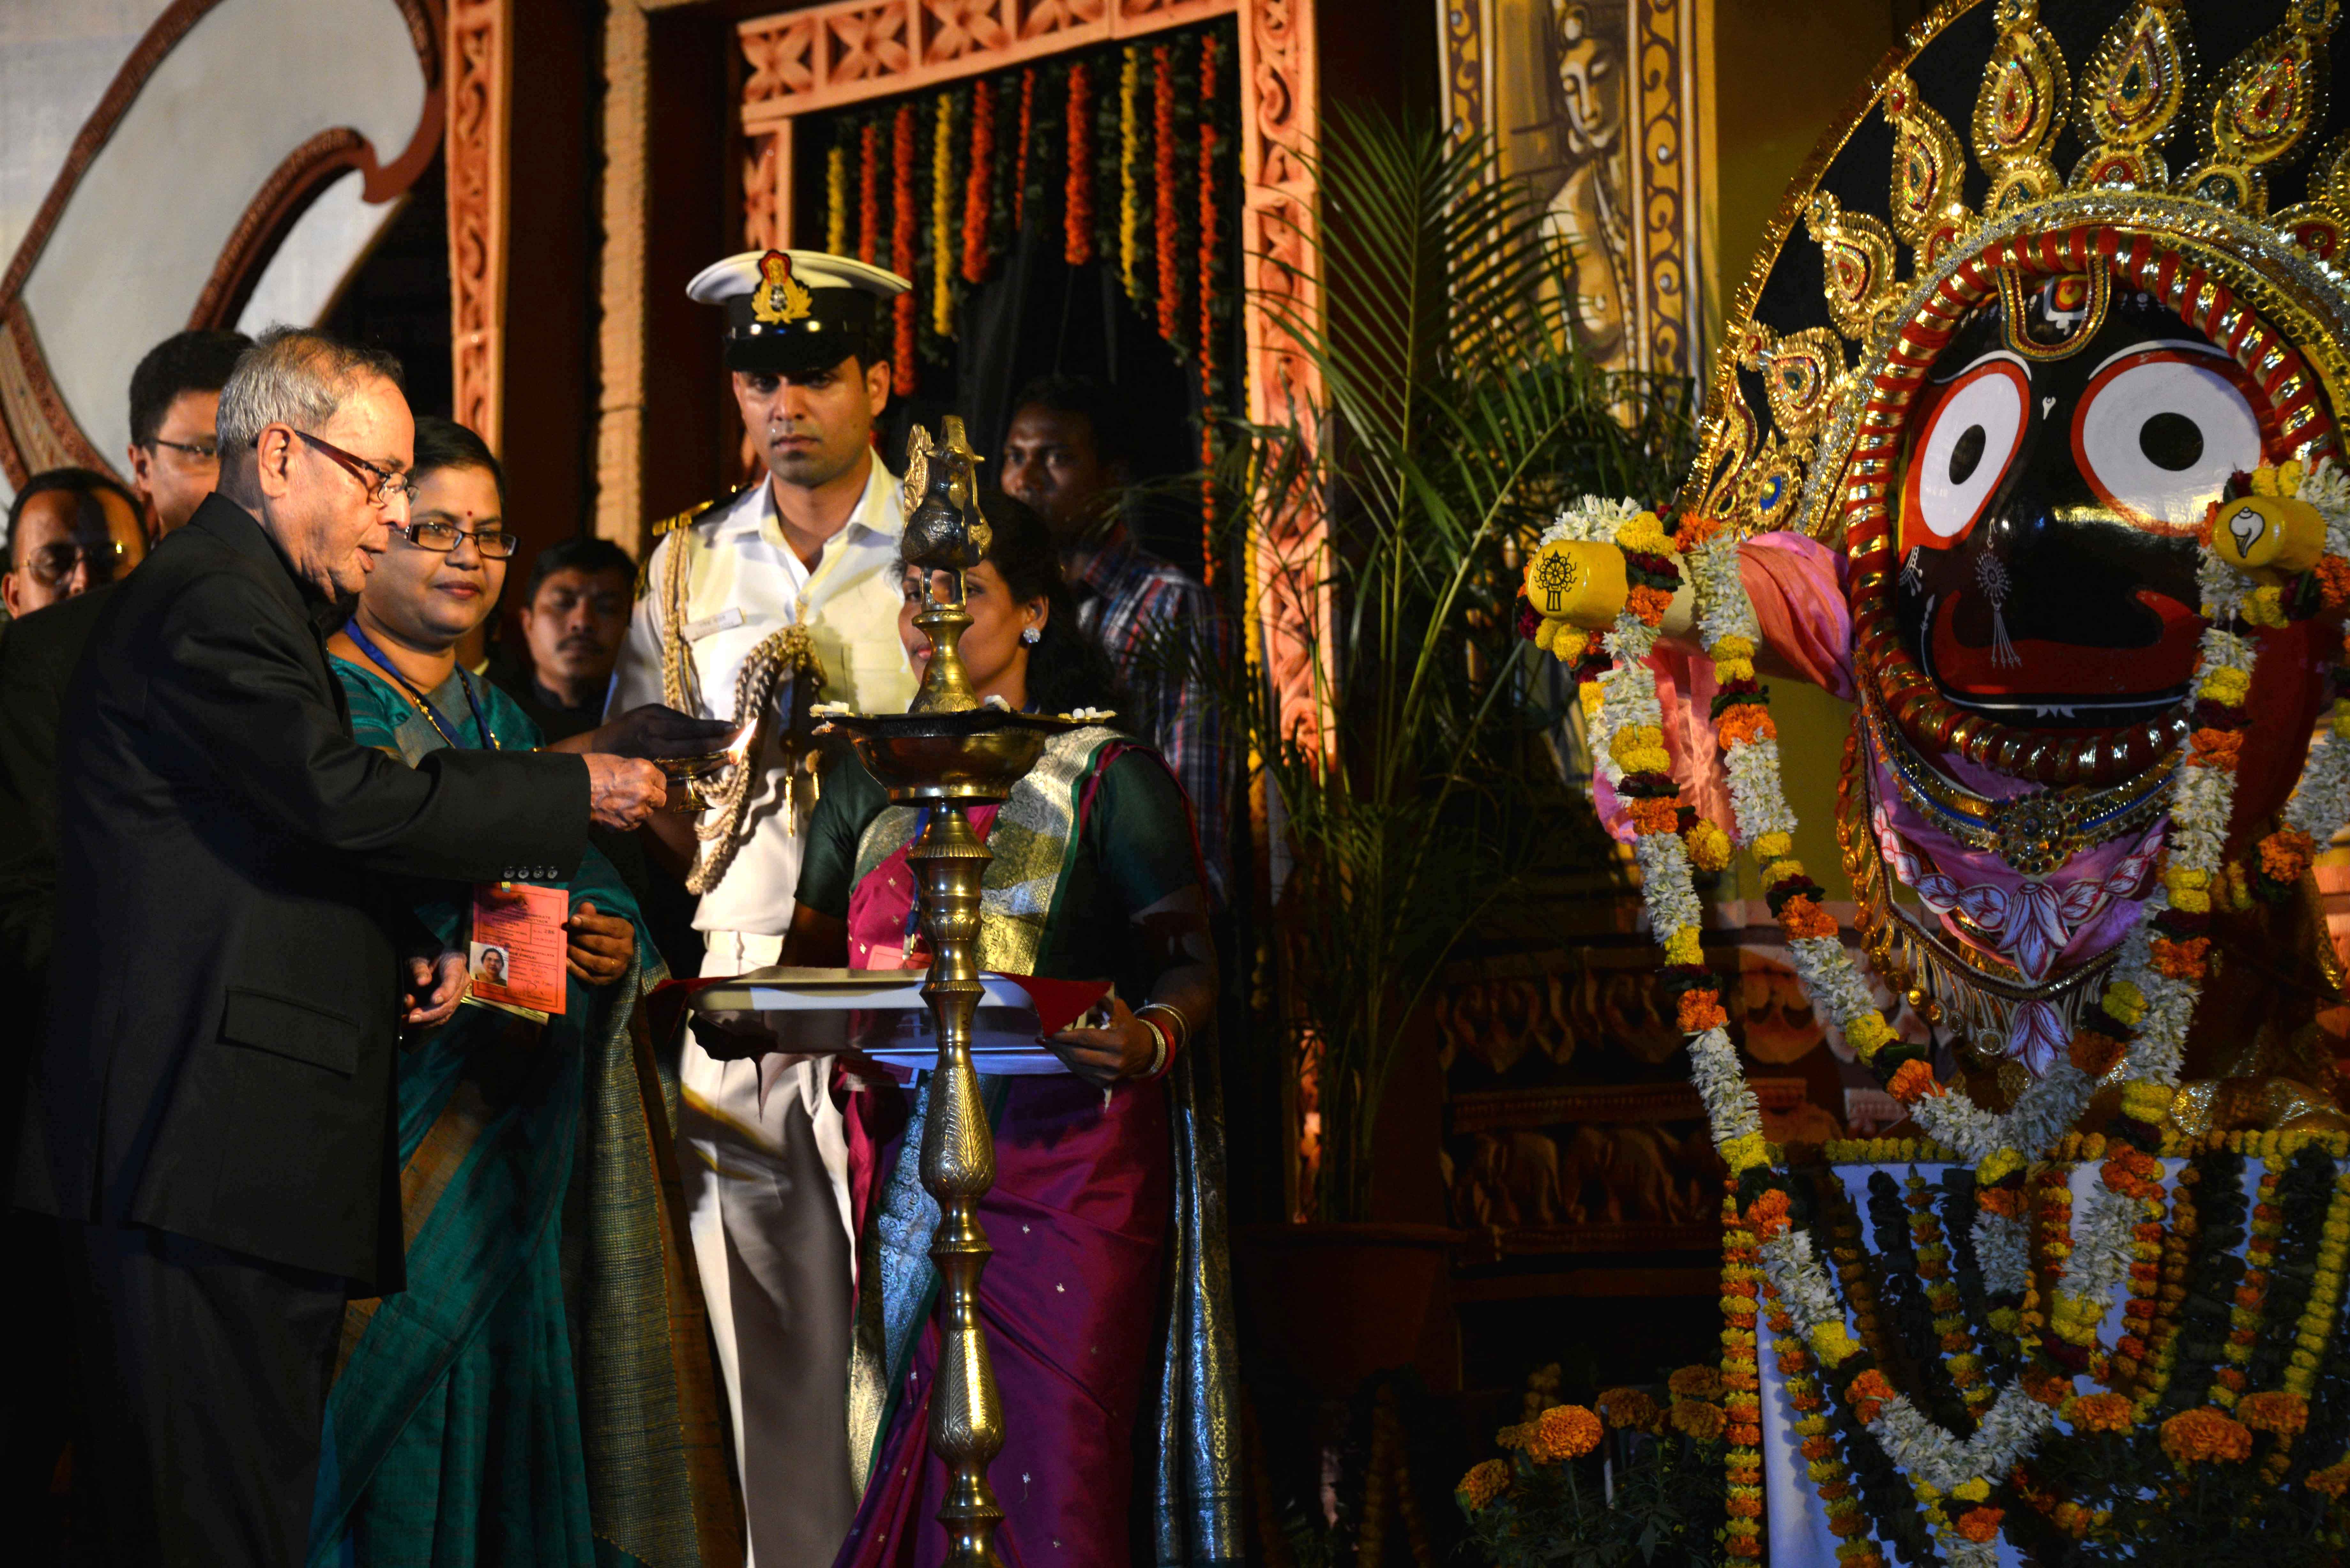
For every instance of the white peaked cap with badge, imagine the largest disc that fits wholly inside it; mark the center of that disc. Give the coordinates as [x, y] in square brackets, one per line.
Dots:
[791, 311]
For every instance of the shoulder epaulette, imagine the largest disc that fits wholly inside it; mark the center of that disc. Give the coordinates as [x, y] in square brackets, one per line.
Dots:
[669, 526]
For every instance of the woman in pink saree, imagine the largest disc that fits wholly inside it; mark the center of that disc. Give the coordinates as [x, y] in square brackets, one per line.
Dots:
[1104, 1303]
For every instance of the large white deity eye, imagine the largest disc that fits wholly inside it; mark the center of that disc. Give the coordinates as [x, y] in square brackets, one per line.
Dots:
[1965, 442]
[2160, 428]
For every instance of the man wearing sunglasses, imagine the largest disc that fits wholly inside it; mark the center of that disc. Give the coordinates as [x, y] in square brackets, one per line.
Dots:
[237, 877]
[69, 530]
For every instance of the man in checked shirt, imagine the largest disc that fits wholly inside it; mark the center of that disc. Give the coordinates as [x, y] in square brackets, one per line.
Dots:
[1067, 455]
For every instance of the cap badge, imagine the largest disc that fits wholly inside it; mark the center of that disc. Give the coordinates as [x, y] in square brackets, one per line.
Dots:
[780, 298]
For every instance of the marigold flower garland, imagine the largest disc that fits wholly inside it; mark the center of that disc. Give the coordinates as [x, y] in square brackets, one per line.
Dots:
[1169, 224]
[1020, 166]
[1078, 194]
[1949, 1322]
[1130, 173]
[1742, 1379]
[836, 200]
[2139, 1033]
[869, 192]
[903, 379]
[941, 319]
[978, 183]
[1830, 1477]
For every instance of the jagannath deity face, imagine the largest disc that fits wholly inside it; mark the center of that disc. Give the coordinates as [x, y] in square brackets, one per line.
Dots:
[2067, 443]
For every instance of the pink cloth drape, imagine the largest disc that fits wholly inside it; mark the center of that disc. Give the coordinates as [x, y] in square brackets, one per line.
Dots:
[1078, 1217]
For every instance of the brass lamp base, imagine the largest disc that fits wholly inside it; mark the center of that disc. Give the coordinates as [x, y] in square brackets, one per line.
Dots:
[949, 762]
[950, 752]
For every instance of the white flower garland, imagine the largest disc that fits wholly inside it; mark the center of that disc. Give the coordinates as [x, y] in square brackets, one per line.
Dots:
[2003, 1252]
[2157, 1005]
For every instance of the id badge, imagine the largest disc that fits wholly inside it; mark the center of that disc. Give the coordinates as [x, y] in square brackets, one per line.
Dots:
[516, 952]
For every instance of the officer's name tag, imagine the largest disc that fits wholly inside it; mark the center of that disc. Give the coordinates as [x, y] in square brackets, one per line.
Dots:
[731, 616]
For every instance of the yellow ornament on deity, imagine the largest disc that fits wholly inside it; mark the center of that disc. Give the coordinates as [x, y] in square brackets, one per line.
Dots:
[2281, 533]
[1578, 581]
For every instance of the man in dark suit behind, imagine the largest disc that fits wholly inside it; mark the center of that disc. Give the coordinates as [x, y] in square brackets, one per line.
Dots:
[211, 1108]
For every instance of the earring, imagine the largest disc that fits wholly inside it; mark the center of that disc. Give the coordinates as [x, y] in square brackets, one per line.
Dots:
[1031, 636]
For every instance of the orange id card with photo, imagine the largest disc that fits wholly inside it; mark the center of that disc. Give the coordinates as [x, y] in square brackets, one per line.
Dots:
[515, 958]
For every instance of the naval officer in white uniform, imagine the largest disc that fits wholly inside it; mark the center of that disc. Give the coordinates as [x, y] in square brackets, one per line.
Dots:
[752, 608]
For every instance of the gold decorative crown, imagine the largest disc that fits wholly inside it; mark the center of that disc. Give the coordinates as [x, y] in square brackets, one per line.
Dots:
[1776, 465]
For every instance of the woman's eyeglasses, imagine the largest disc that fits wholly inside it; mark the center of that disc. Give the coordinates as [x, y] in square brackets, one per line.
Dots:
[495, 543]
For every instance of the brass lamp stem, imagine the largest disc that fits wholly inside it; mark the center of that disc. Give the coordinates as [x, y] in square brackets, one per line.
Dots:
[958, 1167]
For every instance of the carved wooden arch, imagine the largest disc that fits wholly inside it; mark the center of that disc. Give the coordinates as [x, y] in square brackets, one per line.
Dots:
[828, 55]
[37, 430]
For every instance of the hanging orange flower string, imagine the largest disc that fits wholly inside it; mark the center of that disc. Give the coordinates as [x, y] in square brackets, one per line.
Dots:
[901, 247]
[1077, 209]
[869, 192]
[1162, 169]
[1130, 173]
[978, 183]
[1020, 159]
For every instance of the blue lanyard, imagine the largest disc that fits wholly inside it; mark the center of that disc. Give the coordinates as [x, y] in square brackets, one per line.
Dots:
[432, 716]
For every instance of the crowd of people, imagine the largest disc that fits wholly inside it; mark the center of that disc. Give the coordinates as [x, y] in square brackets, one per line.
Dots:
[359, 1258]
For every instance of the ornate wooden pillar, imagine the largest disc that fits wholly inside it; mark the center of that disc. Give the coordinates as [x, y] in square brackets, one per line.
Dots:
[480, 66]
[1280, 107]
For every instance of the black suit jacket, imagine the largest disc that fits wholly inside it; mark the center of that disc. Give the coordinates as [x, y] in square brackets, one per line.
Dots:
[38, 656]
[232, 869]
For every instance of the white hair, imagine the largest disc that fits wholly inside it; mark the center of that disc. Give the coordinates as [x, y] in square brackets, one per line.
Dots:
[292, 376]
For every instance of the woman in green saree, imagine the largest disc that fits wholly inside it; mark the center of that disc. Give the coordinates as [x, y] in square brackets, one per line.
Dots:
[539, 1392]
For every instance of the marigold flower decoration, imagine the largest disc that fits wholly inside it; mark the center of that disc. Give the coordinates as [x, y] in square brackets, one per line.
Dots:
[1027, 133]
[1694, 1383]
[2274, 1411]
[1486, 1481]
[978, 184]
[1078, 194]
[1697, 1420]
[1741, 1373]
[2098, 1413]
[1627, 1407]
[836, 200]
[1981, 1525]
[941, 217]
[869, 192]
[1564, 1432]
[1129, 172]
[901, 249]
[1168, 223]
[2201, 1436]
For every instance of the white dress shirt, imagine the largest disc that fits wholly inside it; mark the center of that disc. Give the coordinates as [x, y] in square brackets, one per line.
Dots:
[744, 582]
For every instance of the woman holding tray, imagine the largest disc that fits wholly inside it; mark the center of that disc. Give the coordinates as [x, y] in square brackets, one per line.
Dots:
[460, 1428]
[1109, 1179]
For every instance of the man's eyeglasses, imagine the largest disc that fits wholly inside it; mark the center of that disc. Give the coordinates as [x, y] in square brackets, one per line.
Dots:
[207, 450]
[384, 488]
[495, 543]
[53, 563]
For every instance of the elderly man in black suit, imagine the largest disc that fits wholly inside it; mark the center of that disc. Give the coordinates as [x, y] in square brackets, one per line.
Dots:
[210, 1111]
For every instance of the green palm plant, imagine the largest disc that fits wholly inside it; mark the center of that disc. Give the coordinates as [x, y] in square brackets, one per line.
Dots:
[1457, 411]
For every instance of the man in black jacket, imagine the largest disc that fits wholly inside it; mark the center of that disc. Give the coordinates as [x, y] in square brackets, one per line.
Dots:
[211, 1111]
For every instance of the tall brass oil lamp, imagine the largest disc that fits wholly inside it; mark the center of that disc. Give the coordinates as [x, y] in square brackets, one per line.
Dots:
[949, 752]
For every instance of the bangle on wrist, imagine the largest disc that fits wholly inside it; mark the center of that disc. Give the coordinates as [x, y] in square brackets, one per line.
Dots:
[1181, 1031]
[1162, 1051]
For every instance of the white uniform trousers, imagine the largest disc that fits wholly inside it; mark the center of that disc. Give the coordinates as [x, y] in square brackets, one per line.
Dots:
[766, 1193]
